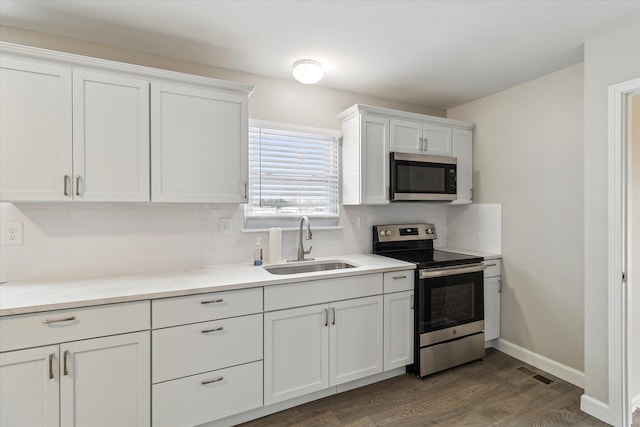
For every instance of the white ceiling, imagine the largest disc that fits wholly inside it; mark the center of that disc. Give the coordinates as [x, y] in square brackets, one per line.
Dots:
[432, 53]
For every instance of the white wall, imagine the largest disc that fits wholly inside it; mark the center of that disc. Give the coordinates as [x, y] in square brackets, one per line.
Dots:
[608, 60]
[95, 239]
[528, 157]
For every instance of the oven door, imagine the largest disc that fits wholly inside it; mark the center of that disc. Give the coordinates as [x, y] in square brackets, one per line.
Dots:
[450, 303]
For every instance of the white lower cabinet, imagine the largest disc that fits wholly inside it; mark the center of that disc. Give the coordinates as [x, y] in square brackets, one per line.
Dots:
[492, 290]
[209, 396]
[206, 356]
[398, 329]
[96, 382]
[311, 348]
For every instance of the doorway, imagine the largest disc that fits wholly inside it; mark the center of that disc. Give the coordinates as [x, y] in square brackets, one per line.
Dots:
[623, 227]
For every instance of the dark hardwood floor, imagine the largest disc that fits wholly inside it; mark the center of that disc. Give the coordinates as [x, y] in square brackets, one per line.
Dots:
[497, 391]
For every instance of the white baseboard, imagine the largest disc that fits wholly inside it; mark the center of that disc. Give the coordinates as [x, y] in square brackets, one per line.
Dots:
[595, 408]
[557, 369]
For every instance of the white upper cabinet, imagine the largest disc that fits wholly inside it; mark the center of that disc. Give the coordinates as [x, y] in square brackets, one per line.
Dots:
[365, 160]
[74, 128]
[408, 136]
[370, 133]
[35, 131]
[462, 149]
[199, 143]
[110, 137]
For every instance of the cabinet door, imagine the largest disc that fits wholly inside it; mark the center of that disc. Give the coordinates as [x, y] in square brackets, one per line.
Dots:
[406, 136]
[296, 352]
[199, 143]
[110, 138]
[375, 160]
[437, 140]
[462, 149]
[398, 329]
[106, 381]
[355, 339]
[35, 131]
[29, 387]
[492, 288]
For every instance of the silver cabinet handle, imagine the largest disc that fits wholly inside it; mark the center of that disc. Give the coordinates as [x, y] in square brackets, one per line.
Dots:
[212, 301]
[66, 319]
[206, 331]
[499, 286]
[65, 365]
[77, 185]
[492, 265]
[399, 277]
[411, 303]
[51, 359]
[245, 190]
[215, 380]
[426, 144]
[326, 317]
[66, 185]
[333, 316]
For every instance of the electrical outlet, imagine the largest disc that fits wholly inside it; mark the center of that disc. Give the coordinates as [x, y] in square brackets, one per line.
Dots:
[362, 222]
[224, 226]
[12, 233]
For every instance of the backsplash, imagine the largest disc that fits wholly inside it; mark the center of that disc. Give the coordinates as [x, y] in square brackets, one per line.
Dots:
[64, 240]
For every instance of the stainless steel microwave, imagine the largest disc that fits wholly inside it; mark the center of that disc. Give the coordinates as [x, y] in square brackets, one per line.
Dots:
[421, 177]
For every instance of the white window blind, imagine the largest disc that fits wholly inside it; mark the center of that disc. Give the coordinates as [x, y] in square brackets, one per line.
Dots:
[292, 174]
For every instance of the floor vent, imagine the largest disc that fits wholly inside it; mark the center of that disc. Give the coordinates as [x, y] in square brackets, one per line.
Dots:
[535, 375]
[526, 371]
[543, 379]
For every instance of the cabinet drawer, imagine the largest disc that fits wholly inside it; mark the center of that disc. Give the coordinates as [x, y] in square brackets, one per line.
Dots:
[195, 400]
[313, 292]
[493, 267]
[203, 307]
[201, 347]
[51, 327]
[396, 281]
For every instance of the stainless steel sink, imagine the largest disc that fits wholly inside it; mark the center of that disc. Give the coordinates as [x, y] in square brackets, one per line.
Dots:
[308, 267]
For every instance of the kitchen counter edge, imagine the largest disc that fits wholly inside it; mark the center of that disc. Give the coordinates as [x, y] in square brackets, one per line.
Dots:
[23, 297]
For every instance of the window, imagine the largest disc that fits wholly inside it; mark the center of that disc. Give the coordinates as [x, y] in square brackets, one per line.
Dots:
[291, 174]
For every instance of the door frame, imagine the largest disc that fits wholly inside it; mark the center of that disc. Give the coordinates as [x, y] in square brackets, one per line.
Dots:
[619, 400]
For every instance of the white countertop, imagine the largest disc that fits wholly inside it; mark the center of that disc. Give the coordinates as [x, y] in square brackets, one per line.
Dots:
[485, 255]
[35, 296]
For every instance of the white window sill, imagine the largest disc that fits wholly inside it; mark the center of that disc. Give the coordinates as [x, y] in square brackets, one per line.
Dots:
[264, 230]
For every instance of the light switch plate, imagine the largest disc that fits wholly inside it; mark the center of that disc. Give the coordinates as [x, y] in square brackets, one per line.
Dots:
[224, 226]
[12, 233]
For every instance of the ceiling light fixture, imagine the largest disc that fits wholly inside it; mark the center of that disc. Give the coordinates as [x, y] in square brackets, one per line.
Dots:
[307, 71]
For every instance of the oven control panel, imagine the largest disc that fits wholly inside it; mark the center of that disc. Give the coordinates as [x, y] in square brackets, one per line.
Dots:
[404, 232]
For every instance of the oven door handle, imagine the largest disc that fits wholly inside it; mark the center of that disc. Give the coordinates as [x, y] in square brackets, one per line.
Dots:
[450, 271]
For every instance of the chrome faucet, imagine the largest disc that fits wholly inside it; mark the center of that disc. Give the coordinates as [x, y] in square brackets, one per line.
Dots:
[301, 251]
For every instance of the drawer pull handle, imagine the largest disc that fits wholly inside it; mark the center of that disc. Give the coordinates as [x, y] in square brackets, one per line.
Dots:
[215, 380]
[499, 286]
[205, 331]
[51, 358]
[77, 185]
[212, 301]
[399, 277]
[326, 317]
[66, 319]
[333, 316]
[492, 265]
[65, 366]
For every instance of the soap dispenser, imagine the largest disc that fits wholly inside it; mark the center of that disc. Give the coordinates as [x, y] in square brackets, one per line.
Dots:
[257, 252]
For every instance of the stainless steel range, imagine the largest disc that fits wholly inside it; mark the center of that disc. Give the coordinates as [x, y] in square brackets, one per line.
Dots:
[449, 303]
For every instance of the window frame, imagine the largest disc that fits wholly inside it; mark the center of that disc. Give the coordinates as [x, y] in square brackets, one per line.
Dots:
[291, 221]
